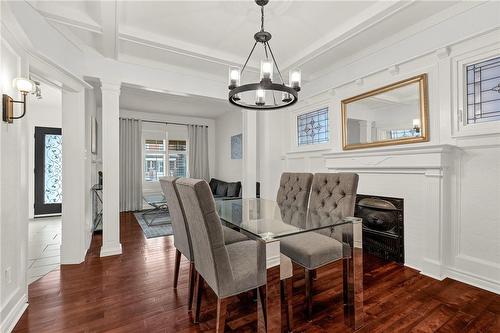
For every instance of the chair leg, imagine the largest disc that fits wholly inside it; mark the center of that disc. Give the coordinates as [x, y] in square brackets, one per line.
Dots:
[176, 269]
[199, 293]
[308, 283]
[192, 276]
[221, 315]
[314, 275]
[287, 298]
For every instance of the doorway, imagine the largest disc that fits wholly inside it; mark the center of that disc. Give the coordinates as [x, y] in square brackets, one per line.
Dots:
[48, 171]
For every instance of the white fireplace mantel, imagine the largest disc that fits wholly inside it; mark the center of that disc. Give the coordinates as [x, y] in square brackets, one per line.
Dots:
[422, 176]
[407, 159]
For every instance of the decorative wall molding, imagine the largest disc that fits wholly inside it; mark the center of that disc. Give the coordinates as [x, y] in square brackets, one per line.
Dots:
[407, 158]
[393, 70]
[443, 52]
[10, 320]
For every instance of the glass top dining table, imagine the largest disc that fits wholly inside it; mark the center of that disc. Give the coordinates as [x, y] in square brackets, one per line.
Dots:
[268, 222]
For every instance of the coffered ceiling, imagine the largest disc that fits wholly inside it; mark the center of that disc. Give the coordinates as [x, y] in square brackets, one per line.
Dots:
[208, 36]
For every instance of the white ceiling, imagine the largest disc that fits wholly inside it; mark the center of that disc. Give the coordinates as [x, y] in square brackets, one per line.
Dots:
[208, 36]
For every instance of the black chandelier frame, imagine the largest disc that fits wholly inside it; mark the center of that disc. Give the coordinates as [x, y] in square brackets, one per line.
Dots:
[292, 97]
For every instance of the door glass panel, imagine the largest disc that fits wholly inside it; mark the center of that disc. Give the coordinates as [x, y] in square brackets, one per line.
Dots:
[53, 169]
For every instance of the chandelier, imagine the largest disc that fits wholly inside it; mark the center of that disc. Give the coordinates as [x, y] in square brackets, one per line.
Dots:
[266, 94]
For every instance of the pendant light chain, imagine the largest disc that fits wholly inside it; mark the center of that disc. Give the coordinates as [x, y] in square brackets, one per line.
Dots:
[261, 18]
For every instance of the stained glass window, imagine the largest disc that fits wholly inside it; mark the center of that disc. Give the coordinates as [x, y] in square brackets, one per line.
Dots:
[483, 91]
[312, 127]
[53, 169]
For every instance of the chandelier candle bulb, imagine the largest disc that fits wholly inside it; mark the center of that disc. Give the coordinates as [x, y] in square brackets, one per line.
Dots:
[266, 70]
[295, 77]
[260, 95]
[234, 77]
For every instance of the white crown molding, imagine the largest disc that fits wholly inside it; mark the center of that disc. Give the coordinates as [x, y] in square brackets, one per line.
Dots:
[393, 70]
[443, 52]
[90, 26]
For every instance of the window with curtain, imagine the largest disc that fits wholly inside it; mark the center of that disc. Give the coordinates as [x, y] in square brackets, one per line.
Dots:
[154, 159]
[177, 158]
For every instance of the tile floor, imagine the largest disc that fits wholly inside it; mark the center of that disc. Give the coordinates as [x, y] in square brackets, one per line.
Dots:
[43, 247]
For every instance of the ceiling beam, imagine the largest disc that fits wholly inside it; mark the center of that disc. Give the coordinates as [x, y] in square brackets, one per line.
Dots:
[201, 53]
[109, 23]
[71, 22]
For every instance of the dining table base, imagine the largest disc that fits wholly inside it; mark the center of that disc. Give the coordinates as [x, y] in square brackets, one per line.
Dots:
[269, 317]
[352, 239]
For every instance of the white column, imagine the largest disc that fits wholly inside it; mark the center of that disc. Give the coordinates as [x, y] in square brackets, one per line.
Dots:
[110, 168]
[73, 247]
[249, 178]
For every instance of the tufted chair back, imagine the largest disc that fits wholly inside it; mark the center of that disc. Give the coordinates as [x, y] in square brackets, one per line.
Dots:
[293, 197]
[333, 197]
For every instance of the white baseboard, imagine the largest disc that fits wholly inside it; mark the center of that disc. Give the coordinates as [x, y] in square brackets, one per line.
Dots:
[14, 315]
[472, 279]
[111, 250]
[462, 276]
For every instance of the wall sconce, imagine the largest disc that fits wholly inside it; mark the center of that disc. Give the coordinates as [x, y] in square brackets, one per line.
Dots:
[416, 125]
[24, 86]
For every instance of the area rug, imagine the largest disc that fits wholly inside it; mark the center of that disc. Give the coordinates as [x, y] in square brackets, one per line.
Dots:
[160, 227]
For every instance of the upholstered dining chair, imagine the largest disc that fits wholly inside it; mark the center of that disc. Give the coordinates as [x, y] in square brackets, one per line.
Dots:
[182, 240]
[228, 269]
[333, 197]
[293, 196]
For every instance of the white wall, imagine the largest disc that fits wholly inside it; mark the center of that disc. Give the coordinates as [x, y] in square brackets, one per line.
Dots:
[13, 194]
[227, 125]
[469, 248]
[45, 112]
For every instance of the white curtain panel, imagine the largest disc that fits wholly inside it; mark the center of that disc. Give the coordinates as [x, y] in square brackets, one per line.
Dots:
[130, 164]
[198, 152]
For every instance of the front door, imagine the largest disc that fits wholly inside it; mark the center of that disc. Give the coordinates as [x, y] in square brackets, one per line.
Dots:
[48, 170]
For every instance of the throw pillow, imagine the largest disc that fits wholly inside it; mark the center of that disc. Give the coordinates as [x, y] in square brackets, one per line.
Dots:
[233, 189]
[221, 189]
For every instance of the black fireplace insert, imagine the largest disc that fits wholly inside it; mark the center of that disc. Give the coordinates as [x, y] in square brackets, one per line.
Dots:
[383, 233]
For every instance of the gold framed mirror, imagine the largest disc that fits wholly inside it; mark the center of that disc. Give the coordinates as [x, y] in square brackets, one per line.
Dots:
[391, 115]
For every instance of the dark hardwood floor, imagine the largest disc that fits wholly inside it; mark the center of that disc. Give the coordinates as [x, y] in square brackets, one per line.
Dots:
[133, 293]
